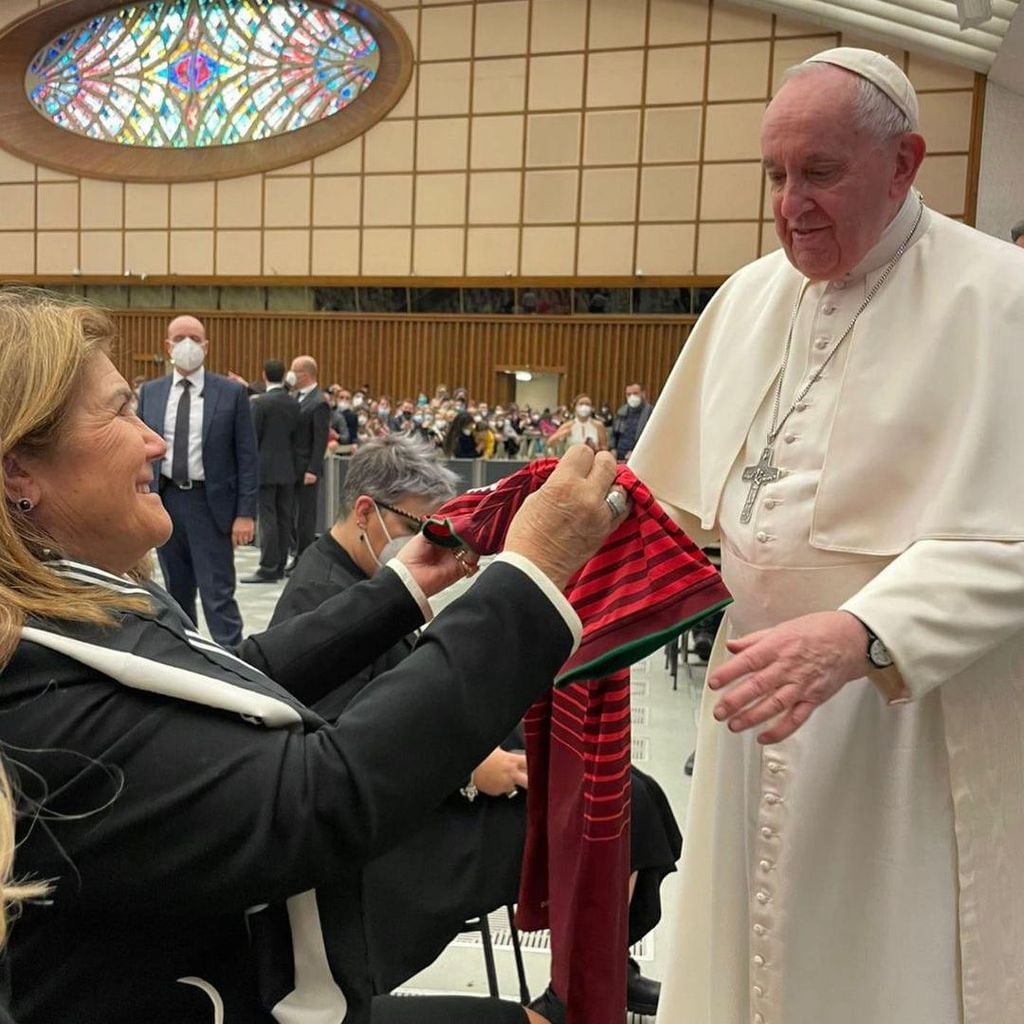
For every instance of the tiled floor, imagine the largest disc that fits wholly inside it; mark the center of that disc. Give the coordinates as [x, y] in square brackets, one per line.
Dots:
[663, 737]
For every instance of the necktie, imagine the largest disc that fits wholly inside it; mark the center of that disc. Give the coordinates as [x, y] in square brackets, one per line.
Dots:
[179, 458]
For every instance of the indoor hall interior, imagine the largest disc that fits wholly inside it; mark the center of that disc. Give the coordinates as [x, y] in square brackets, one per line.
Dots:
[663, 732]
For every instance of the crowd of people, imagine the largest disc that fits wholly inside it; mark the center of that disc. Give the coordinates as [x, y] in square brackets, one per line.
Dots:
[461, 426]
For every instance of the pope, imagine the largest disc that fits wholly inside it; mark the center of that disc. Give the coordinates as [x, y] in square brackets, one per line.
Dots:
[845, 420]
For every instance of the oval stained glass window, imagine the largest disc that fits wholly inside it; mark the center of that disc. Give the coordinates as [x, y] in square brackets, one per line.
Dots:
[202, 72]
[174, 76]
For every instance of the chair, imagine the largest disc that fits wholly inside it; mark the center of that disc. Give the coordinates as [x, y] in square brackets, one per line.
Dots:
[482, 925]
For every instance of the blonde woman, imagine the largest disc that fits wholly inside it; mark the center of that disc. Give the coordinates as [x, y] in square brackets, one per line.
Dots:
[201, 825]
[582, 428]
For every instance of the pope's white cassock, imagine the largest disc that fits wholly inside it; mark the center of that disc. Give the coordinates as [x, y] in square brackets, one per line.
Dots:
[870, 869]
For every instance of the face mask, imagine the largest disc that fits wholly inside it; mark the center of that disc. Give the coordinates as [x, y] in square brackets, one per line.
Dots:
[468, 431]
[363, 421]
[422, 400]
[290, 379]
[344, 403]
[393, 545]
[417, 420]
[357, 401]
[633, 401]
[383, 410]
[500, 424]
[407, 413]
[187, 355]
[460, 406]
[583, 411]
[478, 419]
[535, 420]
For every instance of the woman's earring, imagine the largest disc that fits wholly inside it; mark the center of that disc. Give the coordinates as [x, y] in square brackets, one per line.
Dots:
[25, 504]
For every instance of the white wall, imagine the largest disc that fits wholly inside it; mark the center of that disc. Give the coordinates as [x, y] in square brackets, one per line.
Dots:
[1001, 182]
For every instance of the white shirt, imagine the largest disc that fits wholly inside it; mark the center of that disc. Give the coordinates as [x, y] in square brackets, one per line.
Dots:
[195, 424]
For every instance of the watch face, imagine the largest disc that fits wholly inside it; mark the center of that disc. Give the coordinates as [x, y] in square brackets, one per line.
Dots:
[879, 655]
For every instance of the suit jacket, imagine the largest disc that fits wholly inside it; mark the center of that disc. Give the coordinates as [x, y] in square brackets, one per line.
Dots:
[230, 458]
[275, 416]
[311, 437]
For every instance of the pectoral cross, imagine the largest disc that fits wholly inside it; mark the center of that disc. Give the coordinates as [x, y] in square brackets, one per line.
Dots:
[763, 473]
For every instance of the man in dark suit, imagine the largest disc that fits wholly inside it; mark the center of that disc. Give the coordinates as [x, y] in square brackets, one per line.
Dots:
[275, 415]
[208, 480]
[630, 421]
[310, 447]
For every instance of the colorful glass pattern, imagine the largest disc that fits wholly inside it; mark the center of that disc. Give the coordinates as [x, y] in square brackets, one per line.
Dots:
[197, 73]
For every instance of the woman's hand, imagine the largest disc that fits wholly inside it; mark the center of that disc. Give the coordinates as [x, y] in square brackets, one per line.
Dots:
[566, 521]
[434, 568]
[500, 773]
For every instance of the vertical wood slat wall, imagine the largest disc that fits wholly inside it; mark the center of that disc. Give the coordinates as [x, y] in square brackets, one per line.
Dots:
[403, 355]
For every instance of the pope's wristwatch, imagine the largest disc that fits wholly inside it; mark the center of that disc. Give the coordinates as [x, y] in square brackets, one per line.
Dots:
[878, 653]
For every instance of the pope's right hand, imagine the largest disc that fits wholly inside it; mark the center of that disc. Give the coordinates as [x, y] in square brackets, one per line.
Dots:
[565, 522]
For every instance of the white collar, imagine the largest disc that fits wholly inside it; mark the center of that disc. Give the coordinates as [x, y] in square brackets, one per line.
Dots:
[197, 379]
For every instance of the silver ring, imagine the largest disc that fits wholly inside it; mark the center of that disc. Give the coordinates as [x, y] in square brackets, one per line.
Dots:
[512, 793]
[616, 502]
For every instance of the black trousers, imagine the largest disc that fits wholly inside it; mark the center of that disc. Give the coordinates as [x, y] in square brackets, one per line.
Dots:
[200, 556]
[306, 500]
[276, 504]
[444, 1010]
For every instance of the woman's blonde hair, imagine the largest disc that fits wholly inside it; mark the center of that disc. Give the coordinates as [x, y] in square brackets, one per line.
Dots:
[11, 893]
[46, 343]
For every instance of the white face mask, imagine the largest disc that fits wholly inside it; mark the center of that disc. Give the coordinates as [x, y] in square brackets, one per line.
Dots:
[290, 379]
[583, 411]
[357, 401]
[393, 545]
[633, 401]
[344, 403]
[187, 355]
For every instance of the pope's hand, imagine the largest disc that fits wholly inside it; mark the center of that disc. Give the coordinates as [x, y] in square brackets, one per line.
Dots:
[781, 675]
[565, 522]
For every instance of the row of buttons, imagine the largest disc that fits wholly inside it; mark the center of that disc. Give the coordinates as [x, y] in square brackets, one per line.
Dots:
[762, 895]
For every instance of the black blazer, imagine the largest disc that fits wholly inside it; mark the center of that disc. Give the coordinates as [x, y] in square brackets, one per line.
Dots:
[165, 820]
[276, 418]
[311, 437]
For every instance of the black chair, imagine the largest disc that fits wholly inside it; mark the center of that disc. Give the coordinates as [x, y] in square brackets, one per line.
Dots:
[482, 925]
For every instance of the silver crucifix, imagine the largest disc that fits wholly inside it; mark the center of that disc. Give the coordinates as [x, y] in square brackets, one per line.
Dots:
[763, 473]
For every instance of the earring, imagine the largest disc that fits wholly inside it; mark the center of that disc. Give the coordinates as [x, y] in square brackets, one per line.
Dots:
[25, 504]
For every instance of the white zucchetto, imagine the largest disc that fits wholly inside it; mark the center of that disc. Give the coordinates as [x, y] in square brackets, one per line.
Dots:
[879, 70]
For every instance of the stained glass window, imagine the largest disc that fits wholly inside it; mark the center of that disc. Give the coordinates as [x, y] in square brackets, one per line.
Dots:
[199, 73]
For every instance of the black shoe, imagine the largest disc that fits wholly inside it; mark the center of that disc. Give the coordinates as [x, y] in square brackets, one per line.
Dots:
[642, 993]
[702, 645]
[290, 567]
[259, 576]
[549, 1006]
[688, 767]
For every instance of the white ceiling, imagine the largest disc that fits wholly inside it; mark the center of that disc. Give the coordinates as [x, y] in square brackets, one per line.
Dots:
[924, 26]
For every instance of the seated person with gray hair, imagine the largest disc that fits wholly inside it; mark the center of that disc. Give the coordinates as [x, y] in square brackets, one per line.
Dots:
[466, 860]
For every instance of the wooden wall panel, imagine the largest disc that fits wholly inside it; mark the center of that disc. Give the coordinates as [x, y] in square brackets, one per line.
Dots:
[402, 355]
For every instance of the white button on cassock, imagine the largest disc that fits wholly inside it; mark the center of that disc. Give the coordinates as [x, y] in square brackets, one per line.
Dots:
[759, 929]
[764, 865]
[767, 833]
[800, 406]
[759, 961]
[789, 438]
[762, 897]
[758, 1018]
[758, 991]
[821, 342]
[762, 537]
[772, 798]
